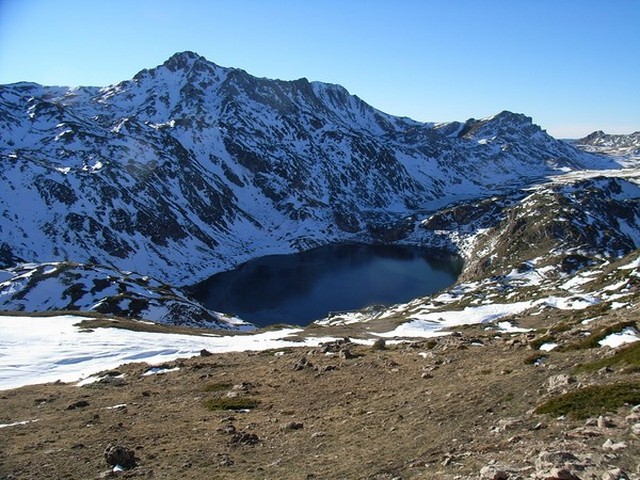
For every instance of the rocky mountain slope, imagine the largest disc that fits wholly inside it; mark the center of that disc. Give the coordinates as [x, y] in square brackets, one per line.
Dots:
[625, 147]
[191, 168]
[90, 288]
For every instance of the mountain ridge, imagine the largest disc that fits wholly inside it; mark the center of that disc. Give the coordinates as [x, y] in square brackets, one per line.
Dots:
[189, 169]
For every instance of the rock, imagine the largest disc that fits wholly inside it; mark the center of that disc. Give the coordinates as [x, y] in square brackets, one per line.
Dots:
[302, 364]
[559, 382]
[560, 474]
[605, 422]
[426, 375]
[228, 429]
[293, 426]
[633, 417]
[335, 346]
[614, 446]
[615, 474]
[244, 438]
[635, 429]
[346, 354]
[494, 472]
[119, 455]
[78, 404]
[379, 344]
[507, 424]
[239, 390]
[558, 465]
[327, 368]
[205, 353]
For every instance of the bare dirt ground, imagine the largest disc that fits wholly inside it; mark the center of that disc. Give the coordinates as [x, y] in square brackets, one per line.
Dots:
[455, 407]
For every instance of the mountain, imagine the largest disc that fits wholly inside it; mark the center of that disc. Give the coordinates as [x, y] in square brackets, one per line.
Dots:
[90, 288]
[601, 139]
[190, 168]
[625, 147]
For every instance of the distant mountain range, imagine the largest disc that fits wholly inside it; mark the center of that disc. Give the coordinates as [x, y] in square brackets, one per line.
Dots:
[622, 146]
[190, 168]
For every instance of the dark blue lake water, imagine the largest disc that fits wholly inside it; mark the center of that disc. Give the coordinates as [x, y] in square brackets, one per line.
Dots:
[303, 287]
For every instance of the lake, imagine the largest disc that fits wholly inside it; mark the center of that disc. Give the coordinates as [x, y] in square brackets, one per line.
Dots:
[303, 287]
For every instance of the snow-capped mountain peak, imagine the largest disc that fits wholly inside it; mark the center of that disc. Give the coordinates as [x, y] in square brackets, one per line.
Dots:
[190, 168]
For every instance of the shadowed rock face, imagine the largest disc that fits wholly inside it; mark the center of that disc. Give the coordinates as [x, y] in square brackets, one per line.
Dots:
[190, 168]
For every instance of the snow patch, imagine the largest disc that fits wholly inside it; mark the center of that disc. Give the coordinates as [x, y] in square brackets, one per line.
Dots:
[15, 424]
[628, 335]
[59, 350]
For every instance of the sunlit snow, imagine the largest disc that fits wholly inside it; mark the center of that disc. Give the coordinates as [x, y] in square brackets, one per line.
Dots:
[46, 349]
[628, 335]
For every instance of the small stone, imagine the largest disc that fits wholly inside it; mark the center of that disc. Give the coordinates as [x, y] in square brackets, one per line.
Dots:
[635, 429]
[78, 404]
[605, 422]
[379, 344]
[293, 426]
[244, 438]
[563, 474]
[615, 474]
[494, 472]
[119, 455]
[426, 375]
[614, 446]
[205, 353]
[559, 382]
[302, 364]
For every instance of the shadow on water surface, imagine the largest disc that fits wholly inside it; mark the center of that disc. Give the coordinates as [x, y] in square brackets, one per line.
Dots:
[302, 287]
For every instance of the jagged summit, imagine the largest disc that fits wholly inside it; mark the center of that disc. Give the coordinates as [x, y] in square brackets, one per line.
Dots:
[600, 138]
[626, 148]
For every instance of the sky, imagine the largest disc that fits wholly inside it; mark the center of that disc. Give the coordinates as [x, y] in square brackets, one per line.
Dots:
[572, 65]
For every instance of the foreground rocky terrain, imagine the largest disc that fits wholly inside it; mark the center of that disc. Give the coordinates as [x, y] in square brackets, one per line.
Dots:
[467, 405]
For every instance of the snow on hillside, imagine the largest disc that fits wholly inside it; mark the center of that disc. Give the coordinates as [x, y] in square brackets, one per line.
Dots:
[58, 350]
[71, 286]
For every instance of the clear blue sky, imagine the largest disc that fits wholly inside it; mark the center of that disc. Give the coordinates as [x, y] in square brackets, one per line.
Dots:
[573, 65]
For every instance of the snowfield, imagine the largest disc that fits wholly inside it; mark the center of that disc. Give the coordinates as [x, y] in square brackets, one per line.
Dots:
[46, 349]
